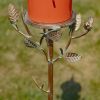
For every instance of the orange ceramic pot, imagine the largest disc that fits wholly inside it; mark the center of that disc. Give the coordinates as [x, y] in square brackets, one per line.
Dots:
[49, 11]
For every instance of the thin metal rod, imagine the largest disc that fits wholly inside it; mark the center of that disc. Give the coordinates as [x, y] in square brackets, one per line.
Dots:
[69, 42]
[85, 33]
[45, 53]
[56, 59]
[25, 25]
[40, 87]
[50, 69]
[19, 31]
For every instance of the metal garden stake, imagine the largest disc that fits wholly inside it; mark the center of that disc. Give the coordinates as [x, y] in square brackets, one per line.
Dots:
[51, 31]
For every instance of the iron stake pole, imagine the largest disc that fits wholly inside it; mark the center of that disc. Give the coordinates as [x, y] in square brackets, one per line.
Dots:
[50, 69]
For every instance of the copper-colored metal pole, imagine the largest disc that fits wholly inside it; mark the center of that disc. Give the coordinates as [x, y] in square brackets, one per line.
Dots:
[50, 69]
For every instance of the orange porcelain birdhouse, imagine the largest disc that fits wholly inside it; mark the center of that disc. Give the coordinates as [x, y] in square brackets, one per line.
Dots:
[49, 11]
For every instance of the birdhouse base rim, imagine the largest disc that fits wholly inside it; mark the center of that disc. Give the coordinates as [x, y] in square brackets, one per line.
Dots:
[49, 25]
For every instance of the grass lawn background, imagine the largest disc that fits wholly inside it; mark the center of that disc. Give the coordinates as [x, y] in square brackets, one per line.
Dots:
[18, 64]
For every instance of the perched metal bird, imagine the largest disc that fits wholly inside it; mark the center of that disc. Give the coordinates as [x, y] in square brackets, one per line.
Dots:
[89, 24]
[13, 13]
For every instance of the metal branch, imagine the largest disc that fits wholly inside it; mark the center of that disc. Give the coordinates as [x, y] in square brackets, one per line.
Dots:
[69, 42]
[25, 25]
[85, 33]
[87, 26]
[40, 87]
[17, 29]
[56, 59]
[51, 30]
[45, 53]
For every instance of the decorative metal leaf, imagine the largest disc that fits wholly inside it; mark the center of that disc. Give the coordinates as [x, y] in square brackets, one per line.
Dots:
[54, 36]
[31, 44]
[76, 25]
[88, 25]
[78, 22]
[72, 57]
[13, 13]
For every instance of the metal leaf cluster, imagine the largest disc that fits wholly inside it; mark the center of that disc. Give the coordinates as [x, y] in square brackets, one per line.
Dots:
[72, 57]
[13, 13]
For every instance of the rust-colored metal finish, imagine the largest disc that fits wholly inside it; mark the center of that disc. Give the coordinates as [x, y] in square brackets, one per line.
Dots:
[50, 69]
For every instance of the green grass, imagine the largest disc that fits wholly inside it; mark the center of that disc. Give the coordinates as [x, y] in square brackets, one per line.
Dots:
[18, 64]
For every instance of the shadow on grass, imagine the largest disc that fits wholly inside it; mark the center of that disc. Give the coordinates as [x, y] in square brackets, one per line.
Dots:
[71, 90]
